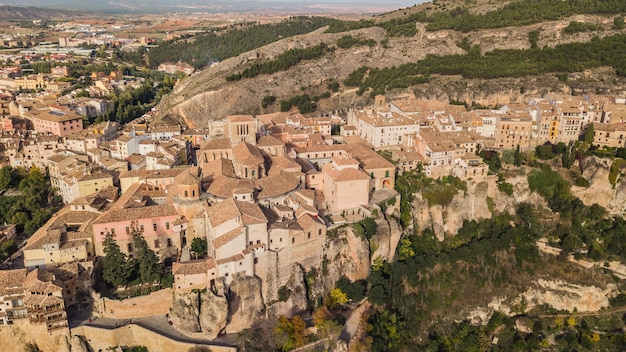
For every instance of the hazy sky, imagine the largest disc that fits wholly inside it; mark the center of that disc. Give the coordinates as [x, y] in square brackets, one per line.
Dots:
[164, 5]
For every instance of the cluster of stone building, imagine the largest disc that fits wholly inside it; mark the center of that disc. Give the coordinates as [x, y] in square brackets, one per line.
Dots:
[259, 189]
[444, 138]
[245, 184]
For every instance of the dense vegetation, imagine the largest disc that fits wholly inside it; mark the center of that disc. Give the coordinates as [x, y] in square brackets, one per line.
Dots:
[143, 269]
[348, 41]
[519, 13]
[282, 62]
[431, 281]
[134, 102]
[571, 57]
[208, 47]
[303, 102]
[576, 27]
[34, 202]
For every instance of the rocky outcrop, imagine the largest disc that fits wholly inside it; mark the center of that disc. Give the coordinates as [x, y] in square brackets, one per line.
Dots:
[600, 190]
[292, 297]
[77, 344]
[388, 234]
[199, 313]
[480, 201]
[345, 253]
[559, 295]
[245, 304]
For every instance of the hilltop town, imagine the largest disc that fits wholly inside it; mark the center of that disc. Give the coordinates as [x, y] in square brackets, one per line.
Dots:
[131, 227]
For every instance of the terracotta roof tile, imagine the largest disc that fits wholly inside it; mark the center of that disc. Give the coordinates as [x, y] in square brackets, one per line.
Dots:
[126, 214]
[200, 266]
[247, 154]
[346, 174]
[232, 258]
[269, 141]
[217, 143]
[227, 237]
[11, 281]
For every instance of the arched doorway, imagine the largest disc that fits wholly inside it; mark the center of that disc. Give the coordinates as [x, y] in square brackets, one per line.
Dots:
[387, 183]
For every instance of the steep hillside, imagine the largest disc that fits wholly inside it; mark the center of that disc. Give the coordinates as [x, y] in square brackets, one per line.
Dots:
[207, 94]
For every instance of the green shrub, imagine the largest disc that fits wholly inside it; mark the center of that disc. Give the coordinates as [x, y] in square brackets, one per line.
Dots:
[284, 293]
[615, 170]
[506, 188]
[576, 27]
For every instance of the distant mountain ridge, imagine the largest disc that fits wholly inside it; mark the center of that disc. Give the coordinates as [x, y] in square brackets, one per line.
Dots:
[162, 6]
[20, 13]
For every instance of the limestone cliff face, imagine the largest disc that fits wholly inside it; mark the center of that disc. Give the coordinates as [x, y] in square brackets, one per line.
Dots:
[472, 205]
[77, 344]
[199, 313]
[345, 253]
[556, 294]
[245, 304]
[478, 202]
[14, 337]
[600, 190]
[296, 291]
[388, 234]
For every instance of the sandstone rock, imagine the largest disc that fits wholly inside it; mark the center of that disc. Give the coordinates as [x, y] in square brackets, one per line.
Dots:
[556, 294]
[77, 344]
[600, 190]
[387, 237]
[561, 295]
[245, 304]
[341, 346]
[199, 313]
[297, 301]
[345, 254]
[470, 205]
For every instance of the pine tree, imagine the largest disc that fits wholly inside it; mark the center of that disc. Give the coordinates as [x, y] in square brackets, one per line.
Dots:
[116, 270]
[589, 134]
[518, 157]
[148, 266]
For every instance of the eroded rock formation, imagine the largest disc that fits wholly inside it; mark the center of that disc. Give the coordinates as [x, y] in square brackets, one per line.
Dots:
[199, 312]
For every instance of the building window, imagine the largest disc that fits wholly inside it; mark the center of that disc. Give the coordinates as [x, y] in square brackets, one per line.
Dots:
[319, 232]
[127, 230]
[169, 242]
[186, 194]
[154, 227]
[141, 228]
[387, 173]
[129, 246]
[167, 225]
[293, 240]
[156, 243]
[113, 232]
